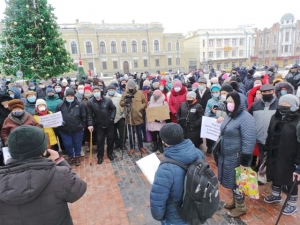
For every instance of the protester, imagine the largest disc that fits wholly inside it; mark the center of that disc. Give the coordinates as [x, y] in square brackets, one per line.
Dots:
[283, 88]
[212, 73]
[271, 72]
[80, 92]
[36, 189]
[30, 97]
[278, 78]
[58, 90]
[164, 89]
[39, 92]
[249, 81]
[122, 88]
[15, 93]
[52, 99]
[4, 110]
[178, 96]
[222, 110]
[203, 94]
[293, 77]
[254, 95]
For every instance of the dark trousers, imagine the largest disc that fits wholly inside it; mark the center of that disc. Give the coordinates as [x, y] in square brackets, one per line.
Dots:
[60, 140]
[101, 133]
[294, 191]
[144, 126]
[119, 132]
[209, 143]
[72, 142]
[155, 136]
[135, 129]
[261, 153]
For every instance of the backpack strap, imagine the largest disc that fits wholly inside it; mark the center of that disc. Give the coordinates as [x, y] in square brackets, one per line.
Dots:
[170, 160]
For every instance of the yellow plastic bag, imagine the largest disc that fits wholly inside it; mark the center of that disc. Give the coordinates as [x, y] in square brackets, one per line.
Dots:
[246, 182]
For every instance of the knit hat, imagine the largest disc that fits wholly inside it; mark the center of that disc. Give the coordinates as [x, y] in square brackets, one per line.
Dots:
[146, 83]
[30, 93]
[50, 89]
[157, 93]
[163, 82]
[191, 94]
[40, 102]
[177, 83]
[111, 86]
[15, 103]
[227, 87]
[87, 88]
[214, 80]
[202, 80]
[70, 91]
[27, 142]
[251, 72]
[64, 81]
[171, 134]
[233, 79]
[290, 99]
[97, 88]
[131, 83]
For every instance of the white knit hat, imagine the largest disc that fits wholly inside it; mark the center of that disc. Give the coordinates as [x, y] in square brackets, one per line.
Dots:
[40, 102]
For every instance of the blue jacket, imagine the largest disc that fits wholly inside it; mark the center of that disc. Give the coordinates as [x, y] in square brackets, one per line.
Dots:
[169, 182]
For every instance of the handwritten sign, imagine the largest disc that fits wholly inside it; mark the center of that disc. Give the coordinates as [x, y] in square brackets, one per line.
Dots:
[158, 113]
[51, 120]
[149, 166]
[210, 128]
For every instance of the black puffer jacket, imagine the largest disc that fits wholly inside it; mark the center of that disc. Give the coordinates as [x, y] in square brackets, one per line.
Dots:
[101, 113]
[74, 116]
[36, 192]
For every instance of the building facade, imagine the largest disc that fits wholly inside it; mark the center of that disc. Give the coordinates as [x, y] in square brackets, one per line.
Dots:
[219, 48]
[278, 45]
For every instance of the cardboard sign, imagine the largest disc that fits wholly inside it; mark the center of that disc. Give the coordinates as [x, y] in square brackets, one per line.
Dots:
[158, 113]
[210, 128]
[51, 120]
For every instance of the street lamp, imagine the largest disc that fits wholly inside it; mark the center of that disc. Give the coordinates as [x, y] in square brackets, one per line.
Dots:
[247, 53]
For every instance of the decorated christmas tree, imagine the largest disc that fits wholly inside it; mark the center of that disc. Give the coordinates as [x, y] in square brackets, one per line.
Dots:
[31, 44]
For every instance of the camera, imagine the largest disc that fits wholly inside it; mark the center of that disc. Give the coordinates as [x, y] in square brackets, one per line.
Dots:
[128, 100]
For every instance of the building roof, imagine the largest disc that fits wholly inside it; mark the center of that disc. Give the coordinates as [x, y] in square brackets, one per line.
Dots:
[287, 16]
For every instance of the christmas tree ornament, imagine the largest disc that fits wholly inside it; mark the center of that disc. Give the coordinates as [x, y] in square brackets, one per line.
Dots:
[43, 38]
[30, 35]
[5, 38]
[19, 53]
[58, 49]
[47, 75]
[15, 23]
[7, 60]
[27, 6]
[32, 68]
[49, 53]
[52, 27]
[42, 20]
[19, 73]
[63, 64]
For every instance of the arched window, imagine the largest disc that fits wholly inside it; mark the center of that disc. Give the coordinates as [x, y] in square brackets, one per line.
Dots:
[260, 52]
[74, 47]
[144, 46]
[273, 51]
[134, 46]
[267, 52]
[124, 46]
[113, 47]
[169, 47]
[177, 46]
[88, 47]
[102, 47]
[156, 45]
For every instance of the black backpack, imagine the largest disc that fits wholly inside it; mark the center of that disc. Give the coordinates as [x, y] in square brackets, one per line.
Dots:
[201, 194]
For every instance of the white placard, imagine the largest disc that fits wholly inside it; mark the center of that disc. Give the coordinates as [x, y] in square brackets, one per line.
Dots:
[149, 166]
[6, 155]
[51, 120]
[210, 128]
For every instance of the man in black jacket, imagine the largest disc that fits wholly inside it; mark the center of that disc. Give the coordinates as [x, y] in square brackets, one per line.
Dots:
[101, 112]
[203, 93]
[74, 122]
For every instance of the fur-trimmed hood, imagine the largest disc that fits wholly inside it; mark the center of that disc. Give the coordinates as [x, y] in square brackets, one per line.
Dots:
[280, 85]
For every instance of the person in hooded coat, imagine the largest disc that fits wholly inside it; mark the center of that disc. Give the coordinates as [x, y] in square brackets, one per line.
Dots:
[249, 81]
[4, 111]
[38, 90]
[283, 88]
[166, 186]
[15, 93]
[236, 149]
[30, 102]
[178, 96]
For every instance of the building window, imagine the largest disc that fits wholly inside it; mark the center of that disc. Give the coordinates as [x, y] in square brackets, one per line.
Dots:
[267, 52]
[261, 40]
[242, 41]
[115, 64]
[260, 52]
[169, 61]
[88, 47]
[233, 42]
[233, 54]
[287, 36]
[169, 47]
[177, 61]
[241, 53]
[135, 63]
[156, 62]
[203, 55]
[219, 43]
[226, 54]
[218, 54]
[211, 43]
[156, 46]
[211, 55]
[74, 48]
[91, 66]
[145, 63]
[226, 65]
[124, 46]
[177, 46]
[219, 66]
[286, 48]
[226, 42]
[233, 64]
[273, 51]
[134, 46]
[274, 39]
[104, 65]
[203, 43]
[102, 47]
[113, 47]
[144, 46]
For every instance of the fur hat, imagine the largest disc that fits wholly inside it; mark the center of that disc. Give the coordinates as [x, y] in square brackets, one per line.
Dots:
[30, 93]
[15, 103]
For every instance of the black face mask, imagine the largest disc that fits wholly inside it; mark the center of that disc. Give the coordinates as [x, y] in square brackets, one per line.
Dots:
[131, 90]
[267, 98]
[189, 102]
[123, 85]
[284, 109]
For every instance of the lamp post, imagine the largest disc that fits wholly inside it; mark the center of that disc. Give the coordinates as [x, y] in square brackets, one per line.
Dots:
[247, 53]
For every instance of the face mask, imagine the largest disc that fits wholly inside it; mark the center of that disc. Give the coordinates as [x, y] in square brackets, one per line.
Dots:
[32, 88]
[255, 85]
[177, 89]
[50, 95]
[189, 102]
[18, 113]
[81, 91]
[58, 90]
[97, 94]
[156, 97]
[284, 109]
[123, 85]
[230, 106]
[42, 86]
[70, 100]
[216, 95]
[31, 99]
[42, 108]
[12, 96]
[194, 89]
[145, 88]
[87, 95]
[161, 88]
[223, 98]
[283, 92]
[201, 88]
[131, 90]
[267, 98]
[111, 93]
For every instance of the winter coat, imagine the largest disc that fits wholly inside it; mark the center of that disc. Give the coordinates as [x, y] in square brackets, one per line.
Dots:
[101, 113]
[120, 90]
[212, 74]
[169, 182]
[17, 94]
[4, 112]
[280, 85]
[252, 95]
[49, 131]
[137, 106]
[11, 123]
[156, 126]
[79, 96]
[116, 99]
[36, 191]
[221, 112]
[237, 145]
[248, 82]
[30, 108]
[262, 116]
[40, 93]
[74, 116]
[283, 149]
[176, 98]
[211, 103]
[293, 79]
[206, 96]
[53, 102]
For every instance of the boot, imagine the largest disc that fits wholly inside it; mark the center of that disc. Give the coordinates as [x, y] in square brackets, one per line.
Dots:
[160, 147]
[291, 205]
[71, 160]
[82, 153]
[131, 152]
[240, 207]
[275, 196]
[230, 205]
[155, 146]
[77, 161]
[143, 151]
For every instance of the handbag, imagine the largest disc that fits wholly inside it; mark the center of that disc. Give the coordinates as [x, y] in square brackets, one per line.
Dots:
[184, 120]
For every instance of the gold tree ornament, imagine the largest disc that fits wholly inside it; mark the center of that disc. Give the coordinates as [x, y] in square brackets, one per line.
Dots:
[7, 60]
[15, 23]
[32, 68]
[19, 53]
[43, 38]
[27, 6]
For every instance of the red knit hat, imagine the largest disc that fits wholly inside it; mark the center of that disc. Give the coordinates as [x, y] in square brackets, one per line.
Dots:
[163, 82]
[87, 88]
[177, 83]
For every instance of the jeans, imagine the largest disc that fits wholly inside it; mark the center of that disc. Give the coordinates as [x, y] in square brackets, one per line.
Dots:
[168, 223]
[138, 130]
[119, 132]
[72, 142]
[101, 133]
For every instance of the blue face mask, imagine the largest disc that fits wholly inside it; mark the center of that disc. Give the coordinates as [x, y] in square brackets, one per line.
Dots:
[201, 88]
[18, 113]
[111, 93]
[194, 89]
[58, 90]
[216, 95]
[97, 95]
[283, 92]
[145, 88]
[70, 100]
[31, 99]
[12, 96]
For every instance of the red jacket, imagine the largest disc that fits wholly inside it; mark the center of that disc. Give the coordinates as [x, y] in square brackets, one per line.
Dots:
[265, 80]
[251, 96]
[176, 98]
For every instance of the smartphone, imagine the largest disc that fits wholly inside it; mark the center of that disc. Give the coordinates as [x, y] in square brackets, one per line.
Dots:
[215, 107]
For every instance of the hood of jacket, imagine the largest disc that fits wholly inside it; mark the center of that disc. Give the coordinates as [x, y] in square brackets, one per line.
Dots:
[280, 85]
[16, 92]
[23, 181]
[181, 92]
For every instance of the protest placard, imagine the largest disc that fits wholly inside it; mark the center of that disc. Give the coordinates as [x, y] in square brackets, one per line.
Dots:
[149, 165]
[158, 113]
[210, 128]
[51, 120]
[6, 155]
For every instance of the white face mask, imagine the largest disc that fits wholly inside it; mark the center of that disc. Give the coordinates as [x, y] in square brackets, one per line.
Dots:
[81, 92]
[177, 89]
[161, 88]
[41, 86]
[223, 98]
[42, 108]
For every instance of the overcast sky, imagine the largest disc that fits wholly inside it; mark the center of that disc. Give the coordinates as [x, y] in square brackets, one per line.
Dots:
[176, 15]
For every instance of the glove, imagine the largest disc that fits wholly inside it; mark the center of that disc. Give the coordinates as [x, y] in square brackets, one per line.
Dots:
[63, 123]
[41, 125]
